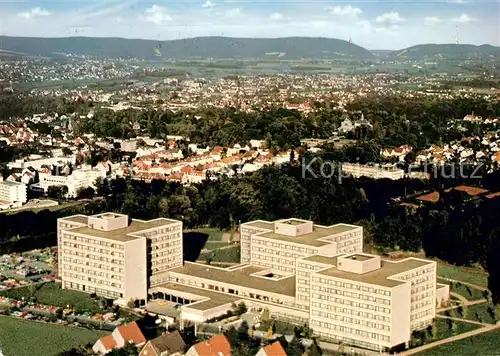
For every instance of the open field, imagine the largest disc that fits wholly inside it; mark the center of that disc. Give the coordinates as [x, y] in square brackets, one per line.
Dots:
[485, 344]
[27, 338]
[465, 274]
[50, 293]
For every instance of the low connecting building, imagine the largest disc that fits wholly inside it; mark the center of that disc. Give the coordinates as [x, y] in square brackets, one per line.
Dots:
[293, 269]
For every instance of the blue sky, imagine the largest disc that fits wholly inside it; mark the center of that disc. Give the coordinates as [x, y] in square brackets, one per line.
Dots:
[371, 24]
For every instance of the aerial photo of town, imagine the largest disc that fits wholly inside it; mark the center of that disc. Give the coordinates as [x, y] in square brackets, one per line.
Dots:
[224, 178]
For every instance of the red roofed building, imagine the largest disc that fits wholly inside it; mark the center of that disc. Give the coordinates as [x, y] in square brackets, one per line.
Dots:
[122, 335]
[217, 345]
[275, 349]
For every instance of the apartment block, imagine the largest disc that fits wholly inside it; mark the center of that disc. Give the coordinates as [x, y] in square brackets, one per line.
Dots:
[12, 194]
[363, 300]
[114, 256]
[277, 245]
[79, 179]
[373, 171]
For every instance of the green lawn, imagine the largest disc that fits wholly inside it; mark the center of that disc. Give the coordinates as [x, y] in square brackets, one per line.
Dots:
[281, 327]
[231, 254]
[444, 330]
[20, 337]
[481, 313]
[465, 274]
[484, 344]
[465, 291]
[213, 245]
[50, 293]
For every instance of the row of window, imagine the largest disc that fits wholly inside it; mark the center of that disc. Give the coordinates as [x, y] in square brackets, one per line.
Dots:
[93, 249]
[431, 269]
[361, 296]
[350, 320]
[351, 303]
[277, 252]
[93, 280]
[348, 330]
[420, 315]
[96, 265]
[175, 236]
[309, 266]
[102, 292]
[92, 257]
[282, 246]
[92, 272]
[349, 285]
[415, 306]
[91, 241]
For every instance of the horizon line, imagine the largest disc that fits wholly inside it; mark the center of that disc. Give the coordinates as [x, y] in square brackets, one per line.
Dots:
[247, 38]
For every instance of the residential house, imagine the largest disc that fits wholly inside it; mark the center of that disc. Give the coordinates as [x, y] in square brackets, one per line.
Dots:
[168, 344]
[274, 349]
[217, 345]
[122, 335]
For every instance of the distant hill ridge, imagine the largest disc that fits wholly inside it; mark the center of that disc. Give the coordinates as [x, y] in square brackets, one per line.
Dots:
[450, 50]
[198, 47]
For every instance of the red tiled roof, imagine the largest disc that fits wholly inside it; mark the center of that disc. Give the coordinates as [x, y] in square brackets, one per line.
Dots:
[431, 197]
[493, 195]
[217, 345]
[132, 333]
[275, 349]
[471, 191]
[108, 342]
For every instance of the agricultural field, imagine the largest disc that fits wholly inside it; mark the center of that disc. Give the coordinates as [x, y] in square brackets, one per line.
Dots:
[26, 338]
[50, 293]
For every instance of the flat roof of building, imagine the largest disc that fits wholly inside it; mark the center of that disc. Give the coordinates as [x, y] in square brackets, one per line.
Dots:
[380, 276]
[312, 238]
[260, 225]
[239, 277]
[80, 219]
[123, 234]
[332, 261]
[216, 299]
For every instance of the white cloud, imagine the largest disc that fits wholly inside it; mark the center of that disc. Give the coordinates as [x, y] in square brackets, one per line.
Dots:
[156, 15]
[208, 4]
[276, 16]
[389, 18]
[458, 2]
[232, 12]
[464, 18]
[432, 19]
[346, 10]
[33, 13]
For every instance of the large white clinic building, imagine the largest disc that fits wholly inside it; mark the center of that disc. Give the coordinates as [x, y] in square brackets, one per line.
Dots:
[294, 269]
